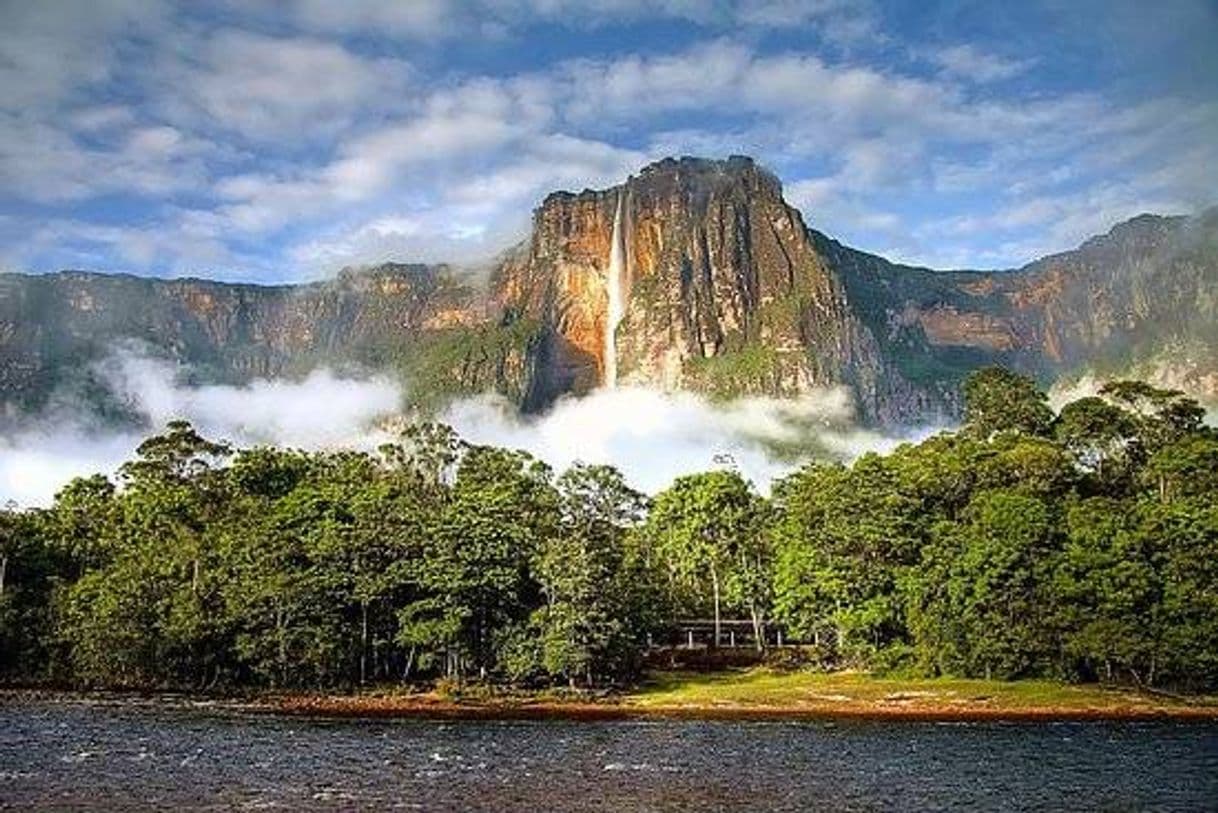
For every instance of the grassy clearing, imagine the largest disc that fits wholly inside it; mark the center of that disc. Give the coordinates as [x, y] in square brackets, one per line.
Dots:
[762, 688]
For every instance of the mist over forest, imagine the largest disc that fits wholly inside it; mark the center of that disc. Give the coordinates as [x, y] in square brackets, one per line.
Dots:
[649, 435]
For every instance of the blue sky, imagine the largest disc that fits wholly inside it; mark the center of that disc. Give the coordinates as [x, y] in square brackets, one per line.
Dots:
[281, 141]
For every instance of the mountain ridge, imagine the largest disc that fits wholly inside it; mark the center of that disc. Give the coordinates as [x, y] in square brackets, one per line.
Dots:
[722, 288]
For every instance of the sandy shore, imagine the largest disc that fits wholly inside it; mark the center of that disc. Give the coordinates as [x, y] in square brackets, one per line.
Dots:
[913, 706]
[381, 707]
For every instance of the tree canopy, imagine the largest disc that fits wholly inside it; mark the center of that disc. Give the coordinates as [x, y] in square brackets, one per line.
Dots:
[1081, 545]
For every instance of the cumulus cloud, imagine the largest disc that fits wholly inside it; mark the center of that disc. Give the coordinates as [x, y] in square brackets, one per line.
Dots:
[234, 139]
[651, 436]
[41, 162]
[475, 217]
[54, 51]
[446, 19]
[266, 87]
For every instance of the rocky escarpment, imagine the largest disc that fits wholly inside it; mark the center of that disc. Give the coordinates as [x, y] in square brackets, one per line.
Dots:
[54, 327]
[723, 292]
[1142, 298]
[692, 274]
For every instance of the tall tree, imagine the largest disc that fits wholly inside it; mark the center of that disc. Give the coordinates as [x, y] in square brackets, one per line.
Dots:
[590, 621]
[1103, 439]
[706, 529]
[844, 538]
[475, 578]
[997, 400]
[978, 604]
[1107, 590]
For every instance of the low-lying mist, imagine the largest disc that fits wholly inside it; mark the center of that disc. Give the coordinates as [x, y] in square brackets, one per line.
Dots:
[651, 436]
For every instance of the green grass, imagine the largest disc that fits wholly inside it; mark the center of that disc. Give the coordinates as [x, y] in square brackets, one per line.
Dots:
[767, 688]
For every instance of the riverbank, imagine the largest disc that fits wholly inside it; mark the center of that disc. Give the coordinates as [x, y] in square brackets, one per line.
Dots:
[764, 694]
[741, 694]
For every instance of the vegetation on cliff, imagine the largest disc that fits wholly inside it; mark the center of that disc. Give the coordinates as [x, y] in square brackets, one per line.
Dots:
[1079, 545]
[728, 293]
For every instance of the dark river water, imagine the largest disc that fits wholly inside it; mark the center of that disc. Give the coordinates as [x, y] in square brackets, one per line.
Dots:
[75, 756]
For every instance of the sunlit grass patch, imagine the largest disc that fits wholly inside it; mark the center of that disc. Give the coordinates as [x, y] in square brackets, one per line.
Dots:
[764, 688]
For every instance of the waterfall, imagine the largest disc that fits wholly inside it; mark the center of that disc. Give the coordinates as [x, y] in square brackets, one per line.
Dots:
[615, 284]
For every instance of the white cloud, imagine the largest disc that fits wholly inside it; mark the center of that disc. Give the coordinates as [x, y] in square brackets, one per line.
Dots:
[307, 136]
[188, 243]
[840, 20]
[419, 18]
[973, 64]
[282, 412]
[268, 87]
[652, 437]
[43, 163]
[37, 461]
[34, 465]
[474, 217]
[53, 51]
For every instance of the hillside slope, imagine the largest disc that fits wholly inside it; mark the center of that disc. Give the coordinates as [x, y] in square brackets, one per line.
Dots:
[710, 282]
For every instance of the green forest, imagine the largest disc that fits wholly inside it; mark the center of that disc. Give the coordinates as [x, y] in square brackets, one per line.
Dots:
[1080, 546]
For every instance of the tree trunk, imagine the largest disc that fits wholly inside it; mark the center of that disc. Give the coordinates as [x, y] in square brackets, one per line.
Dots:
[409, 664]
[363, 647]
[715, 587]
[839, 629]
[3, 571]
[283, 647]
[758, 634]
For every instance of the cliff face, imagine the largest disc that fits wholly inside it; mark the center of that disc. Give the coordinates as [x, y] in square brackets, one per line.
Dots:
[53, 327]
[722, 291]
[1142, 298]
[693, 274]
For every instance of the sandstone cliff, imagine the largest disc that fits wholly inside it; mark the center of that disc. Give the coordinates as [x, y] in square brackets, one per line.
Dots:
[711, 282]
[723, 291]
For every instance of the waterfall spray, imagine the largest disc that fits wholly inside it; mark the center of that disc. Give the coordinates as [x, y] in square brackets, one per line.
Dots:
[614, 284]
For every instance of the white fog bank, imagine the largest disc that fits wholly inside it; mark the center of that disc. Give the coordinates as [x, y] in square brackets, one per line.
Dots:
[651, 436]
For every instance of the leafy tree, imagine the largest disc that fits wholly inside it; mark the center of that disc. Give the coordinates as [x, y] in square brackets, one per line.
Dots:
[706, 531]
[1165, 414]
[27, 569]
[940, 473]
[1081, 547]
[997, 400]
[1187, 467]
[978, 602]
[474, 581]
[1102, 438]
[1187, 531]
[82, 524]
[1107, 592]
[1032, 465]
[590, 623]
[844, 538]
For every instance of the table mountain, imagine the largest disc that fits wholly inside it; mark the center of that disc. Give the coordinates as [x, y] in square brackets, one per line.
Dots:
[693, 274]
